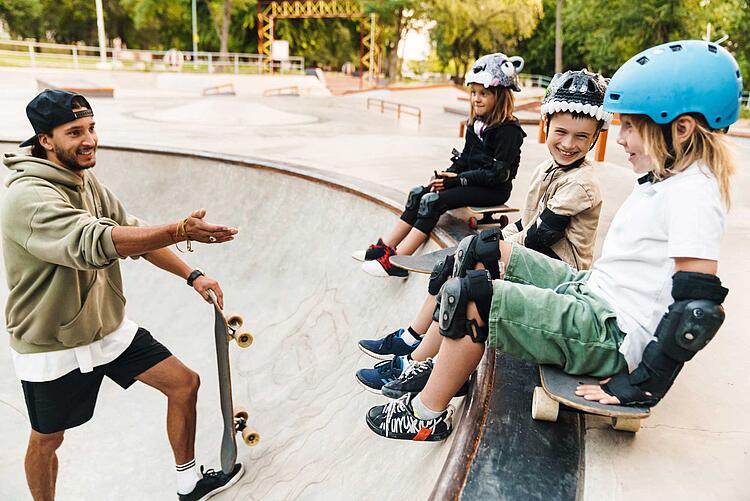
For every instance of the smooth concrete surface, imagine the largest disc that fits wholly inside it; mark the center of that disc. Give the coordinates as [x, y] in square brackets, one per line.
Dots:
[696, 444]
[306, 301]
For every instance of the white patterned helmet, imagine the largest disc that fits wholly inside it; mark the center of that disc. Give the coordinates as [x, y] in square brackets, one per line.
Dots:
[496, 70]
[577, 92]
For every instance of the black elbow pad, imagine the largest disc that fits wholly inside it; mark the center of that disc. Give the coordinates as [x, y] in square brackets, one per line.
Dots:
[547, 230]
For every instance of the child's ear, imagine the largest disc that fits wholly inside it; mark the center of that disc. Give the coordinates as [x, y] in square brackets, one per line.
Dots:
[517, 62]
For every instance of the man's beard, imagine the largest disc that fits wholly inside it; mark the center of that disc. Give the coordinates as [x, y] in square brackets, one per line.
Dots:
[69, 161]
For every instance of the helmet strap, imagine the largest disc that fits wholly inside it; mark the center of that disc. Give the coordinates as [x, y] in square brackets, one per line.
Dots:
[666, 131]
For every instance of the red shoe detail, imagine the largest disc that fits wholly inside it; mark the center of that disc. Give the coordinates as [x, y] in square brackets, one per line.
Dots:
[385, 259]
[422, 435]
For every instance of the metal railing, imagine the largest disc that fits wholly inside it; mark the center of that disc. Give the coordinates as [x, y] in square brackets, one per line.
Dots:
[52, 55]
[532, 80]
[399, 108]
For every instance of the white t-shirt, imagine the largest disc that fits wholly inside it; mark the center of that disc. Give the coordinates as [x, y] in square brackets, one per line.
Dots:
[682, 216]
[478, 128]
[48, 366]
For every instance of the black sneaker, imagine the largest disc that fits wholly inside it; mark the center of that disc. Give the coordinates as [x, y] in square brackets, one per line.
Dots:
[212, 483]
[396, 420]
[374, 251]
[382, 267]
[413, 380]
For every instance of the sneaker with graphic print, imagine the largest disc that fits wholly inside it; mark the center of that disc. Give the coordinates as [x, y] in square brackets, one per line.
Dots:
[413, 380]
[382, 267]
[212, 483]
[396, 420]
[373, 252]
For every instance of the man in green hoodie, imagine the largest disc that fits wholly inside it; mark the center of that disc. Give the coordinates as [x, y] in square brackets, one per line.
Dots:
[63, 234]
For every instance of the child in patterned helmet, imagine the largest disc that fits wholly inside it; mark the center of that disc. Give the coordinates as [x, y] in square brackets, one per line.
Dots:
[481, 175]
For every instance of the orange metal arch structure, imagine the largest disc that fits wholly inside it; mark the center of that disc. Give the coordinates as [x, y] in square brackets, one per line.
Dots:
[270, 10]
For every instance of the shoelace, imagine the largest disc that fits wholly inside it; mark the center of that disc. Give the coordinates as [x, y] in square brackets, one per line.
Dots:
[416, 368]
[385, 259]
[407, 422]
[210, 472]
[387, 368]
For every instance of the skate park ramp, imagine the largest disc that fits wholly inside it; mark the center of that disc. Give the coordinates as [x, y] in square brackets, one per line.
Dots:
[289, 273]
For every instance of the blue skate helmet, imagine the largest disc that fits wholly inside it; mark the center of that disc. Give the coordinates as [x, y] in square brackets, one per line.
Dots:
[671, 79]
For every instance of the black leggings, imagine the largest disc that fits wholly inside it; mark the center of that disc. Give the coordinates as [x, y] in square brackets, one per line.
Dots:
[424, 217]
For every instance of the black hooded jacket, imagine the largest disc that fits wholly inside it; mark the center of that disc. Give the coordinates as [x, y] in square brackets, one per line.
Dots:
[493, 162]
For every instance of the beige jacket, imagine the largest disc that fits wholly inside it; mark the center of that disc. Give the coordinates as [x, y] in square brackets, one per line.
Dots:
[574, 193]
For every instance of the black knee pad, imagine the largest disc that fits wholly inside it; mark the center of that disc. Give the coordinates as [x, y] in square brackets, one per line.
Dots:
[428, 206]
[440, 273]
[453, 300]
[483, 248]
[416, 193]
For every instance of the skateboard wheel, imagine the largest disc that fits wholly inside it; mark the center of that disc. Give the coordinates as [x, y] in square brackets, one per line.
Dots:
[625, 424]
[244, 340]
[473, 223]
[544, 408]
[234, 321]
[240, 413]
[503, 221]
[250, 436]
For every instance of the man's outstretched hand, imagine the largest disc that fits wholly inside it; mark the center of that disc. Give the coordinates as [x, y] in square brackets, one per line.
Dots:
[197, 229]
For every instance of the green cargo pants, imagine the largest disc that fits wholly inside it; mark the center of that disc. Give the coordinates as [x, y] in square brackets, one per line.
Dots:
[544, 312]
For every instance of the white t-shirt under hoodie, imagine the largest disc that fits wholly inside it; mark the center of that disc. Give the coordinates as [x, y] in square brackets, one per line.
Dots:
[682, 216]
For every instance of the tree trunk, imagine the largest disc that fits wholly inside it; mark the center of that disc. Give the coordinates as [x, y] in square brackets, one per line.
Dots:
[393, 59]
[225, 29]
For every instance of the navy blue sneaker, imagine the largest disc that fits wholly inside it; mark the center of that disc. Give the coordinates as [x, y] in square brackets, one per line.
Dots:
[383, 372]
[387, 347]
[212, 483]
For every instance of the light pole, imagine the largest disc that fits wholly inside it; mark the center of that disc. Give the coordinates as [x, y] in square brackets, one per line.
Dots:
[558, 37]
[195, 36]
[102, 39]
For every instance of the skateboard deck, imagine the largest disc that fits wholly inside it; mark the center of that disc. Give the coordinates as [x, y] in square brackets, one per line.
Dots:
[423, 263]
[235, 419]
[559, 388]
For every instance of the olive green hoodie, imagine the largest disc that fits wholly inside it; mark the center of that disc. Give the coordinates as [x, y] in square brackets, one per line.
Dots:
[61, 264]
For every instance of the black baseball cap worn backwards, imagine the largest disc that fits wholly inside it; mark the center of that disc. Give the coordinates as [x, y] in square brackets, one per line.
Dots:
[53, 107]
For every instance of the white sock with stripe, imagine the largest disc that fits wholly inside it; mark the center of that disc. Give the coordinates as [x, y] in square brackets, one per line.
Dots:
[187, 477]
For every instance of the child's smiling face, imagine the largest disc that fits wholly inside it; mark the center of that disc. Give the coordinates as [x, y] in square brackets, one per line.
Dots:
[629, 139]
[570, 137]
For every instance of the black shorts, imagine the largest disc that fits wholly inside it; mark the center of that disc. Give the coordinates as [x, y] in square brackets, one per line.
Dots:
[69, 401]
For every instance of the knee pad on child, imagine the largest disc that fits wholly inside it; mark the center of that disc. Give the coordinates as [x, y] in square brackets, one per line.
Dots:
[427, 206]
[440, 273]
[416, 193]
[453, 300]
[483, 248]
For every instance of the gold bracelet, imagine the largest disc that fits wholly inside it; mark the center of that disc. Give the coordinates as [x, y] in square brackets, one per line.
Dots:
[181, 232]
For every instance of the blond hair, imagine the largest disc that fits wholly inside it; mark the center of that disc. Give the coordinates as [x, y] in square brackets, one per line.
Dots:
[502, 111]
[705, 146]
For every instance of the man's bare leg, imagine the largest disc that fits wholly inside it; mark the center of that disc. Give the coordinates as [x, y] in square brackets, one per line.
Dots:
[180, 385]
[41, 464]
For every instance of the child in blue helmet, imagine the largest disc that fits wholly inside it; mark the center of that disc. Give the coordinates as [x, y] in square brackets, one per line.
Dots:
[652, 300]
[481, 175]
[559, 219]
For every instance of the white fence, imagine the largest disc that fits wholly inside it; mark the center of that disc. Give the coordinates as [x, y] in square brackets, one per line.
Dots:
[51, 55]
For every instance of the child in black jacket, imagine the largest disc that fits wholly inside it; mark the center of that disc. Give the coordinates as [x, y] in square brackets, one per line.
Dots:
[481, 175]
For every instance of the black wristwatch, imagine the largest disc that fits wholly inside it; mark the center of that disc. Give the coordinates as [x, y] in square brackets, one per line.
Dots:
[193, 275]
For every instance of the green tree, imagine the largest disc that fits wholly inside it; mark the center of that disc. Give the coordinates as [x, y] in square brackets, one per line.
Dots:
[466, 30]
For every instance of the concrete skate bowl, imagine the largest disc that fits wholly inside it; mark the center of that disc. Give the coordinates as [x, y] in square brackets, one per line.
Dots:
[289, 273]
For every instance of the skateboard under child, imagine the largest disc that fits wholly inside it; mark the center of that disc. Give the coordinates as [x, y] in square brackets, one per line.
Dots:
[423, 263]
[559, 388]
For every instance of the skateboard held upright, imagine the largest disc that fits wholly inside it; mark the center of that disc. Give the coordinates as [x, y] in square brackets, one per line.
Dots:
[235, 418]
